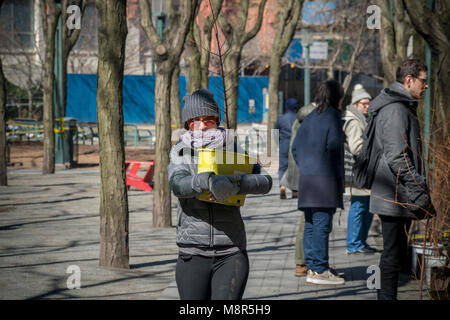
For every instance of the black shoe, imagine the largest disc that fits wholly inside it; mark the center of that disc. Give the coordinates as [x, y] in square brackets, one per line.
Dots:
[404, 278]
[367, 247]
[366, 251]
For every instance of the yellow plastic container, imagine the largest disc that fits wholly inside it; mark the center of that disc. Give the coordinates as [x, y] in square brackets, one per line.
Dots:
[224, 162]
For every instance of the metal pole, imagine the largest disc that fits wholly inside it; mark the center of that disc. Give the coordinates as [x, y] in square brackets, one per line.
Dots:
[306, 43]
[57, 95]
[307, 76]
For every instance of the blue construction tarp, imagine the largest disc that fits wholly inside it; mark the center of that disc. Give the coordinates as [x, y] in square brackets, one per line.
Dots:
[139, 97]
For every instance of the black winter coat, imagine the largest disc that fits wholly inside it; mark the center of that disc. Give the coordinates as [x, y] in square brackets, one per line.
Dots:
[318, 149]
[400, 176]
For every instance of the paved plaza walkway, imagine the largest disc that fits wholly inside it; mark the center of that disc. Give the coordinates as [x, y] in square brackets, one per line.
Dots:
[49, 224]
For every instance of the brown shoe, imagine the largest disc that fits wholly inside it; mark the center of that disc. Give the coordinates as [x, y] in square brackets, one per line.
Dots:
[282, 192]
[294, 194]
[300, 270]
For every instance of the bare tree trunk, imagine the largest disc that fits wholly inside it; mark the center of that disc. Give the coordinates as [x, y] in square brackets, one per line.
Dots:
[175, 105]
[162, 195]
[236, 37]
[231, 83]
[3, 146]
[198, 49]
[433, 27]
[30, 102]
[394, 36]
[112, 32]
[69, 39]
[289, 13]
[192, 60]
[49, 23]
[167, 56]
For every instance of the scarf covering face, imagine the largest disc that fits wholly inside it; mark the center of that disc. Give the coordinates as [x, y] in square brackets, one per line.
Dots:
[209, 139]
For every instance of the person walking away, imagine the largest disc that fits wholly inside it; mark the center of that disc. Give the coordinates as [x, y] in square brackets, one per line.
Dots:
[359, 216]
[399, 192]
[319, 152]
[212, 261]
[284, 125]
[290, 180]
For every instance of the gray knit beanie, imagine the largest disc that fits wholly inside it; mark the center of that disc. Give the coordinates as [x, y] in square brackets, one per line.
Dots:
[199, 104]
[359, 93]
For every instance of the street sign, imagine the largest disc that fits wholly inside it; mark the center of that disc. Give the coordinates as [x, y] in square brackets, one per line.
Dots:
[294, 52]
[318, 50]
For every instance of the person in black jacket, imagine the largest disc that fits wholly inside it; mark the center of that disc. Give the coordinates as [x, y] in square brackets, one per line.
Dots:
[318, 149]
[399, 190]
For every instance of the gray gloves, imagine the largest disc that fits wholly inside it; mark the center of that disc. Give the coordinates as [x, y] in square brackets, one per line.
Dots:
[224, 186]
[200, 181]
[255, 184]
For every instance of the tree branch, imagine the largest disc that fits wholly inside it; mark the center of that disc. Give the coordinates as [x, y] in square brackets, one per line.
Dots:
[287, 22]
[224, 25]
[426, 25]
[252, 33]
[147, 24]
[242, 16]
[178, 36]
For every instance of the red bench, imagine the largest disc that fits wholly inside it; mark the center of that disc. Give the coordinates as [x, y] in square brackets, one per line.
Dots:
[133, 180]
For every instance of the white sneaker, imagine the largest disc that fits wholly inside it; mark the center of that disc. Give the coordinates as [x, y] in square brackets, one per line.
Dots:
[326, 277]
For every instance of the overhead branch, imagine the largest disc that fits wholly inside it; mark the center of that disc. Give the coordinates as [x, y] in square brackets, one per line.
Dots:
[176, 39]
[427, 25]
[252, 33]
[147, 25]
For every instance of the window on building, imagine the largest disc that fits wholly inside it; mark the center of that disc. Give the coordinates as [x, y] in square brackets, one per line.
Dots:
[17, 24]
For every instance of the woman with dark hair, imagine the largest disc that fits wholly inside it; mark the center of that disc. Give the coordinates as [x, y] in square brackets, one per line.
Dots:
[318, 149]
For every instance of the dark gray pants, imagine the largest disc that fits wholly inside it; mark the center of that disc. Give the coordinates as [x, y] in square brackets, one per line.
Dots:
[212, 278]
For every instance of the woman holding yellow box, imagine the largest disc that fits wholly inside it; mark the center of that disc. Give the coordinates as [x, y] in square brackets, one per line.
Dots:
[212, 262]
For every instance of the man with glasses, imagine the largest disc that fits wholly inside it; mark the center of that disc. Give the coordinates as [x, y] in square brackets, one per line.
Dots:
[359, 216]
[399, 192]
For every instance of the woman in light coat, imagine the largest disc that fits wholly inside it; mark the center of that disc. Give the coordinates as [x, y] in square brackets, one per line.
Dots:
[359, 217]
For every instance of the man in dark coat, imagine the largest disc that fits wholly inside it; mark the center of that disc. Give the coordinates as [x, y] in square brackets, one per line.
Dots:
[399, 188]
[284, 124]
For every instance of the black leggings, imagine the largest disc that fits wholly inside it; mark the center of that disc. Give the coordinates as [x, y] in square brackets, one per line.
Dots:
[212, 278]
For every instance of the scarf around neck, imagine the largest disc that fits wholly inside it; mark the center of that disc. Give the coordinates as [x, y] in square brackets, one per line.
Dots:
[210, 139]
